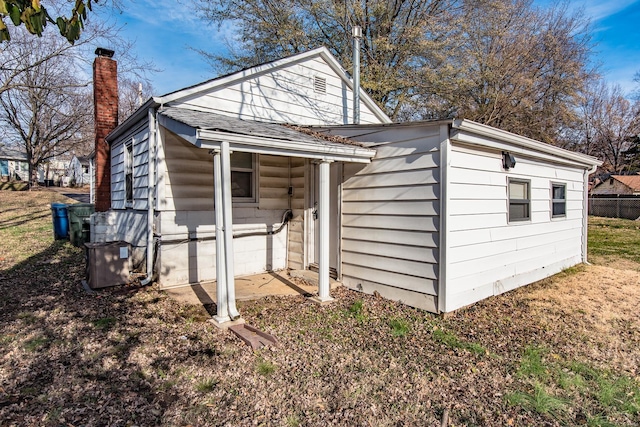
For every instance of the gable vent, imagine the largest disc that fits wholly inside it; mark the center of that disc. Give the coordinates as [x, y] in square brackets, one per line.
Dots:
[320, 85]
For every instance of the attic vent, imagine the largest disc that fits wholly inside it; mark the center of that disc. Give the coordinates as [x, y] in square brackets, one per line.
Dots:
[320, 85]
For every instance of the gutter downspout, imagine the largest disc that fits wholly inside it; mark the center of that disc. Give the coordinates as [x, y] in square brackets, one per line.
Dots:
[153, 130]
[585, 211]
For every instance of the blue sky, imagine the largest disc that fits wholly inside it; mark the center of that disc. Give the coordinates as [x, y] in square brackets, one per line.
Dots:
[167, 31]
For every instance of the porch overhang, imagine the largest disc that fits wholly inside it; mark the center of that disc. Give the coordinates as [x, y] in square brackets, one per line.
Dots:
[209, 130]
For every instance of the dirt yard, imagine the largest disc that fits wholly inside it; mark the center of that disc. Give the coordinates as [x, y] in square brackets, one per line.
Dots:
[563, 351]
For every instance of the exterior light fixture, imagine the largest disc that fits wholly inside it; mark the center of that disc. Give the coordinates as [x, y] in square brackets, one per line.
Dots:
[508, 161]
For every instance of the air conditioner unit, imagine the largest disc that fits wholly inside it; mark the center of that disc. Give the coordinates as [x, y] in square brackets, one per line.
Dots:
[107, 264]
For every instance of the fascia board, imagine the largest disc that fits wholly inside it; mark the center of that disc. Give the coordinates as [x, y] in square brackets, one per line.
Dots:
[331, 152]
[184, 131]
[495, 138]
[139, 115]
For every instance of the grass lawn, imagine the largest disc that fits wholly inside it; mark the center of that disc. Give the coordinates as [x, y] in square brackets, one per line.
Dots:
[563, 351]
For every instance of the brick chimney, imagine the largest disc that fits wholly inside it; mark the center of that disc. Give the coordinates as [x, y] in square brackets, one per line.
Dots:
[105, 101]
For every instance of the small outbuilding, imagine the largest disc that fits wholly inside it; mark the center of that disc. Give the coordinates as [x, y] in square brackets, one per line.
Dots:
[14, 164]
[260, 170]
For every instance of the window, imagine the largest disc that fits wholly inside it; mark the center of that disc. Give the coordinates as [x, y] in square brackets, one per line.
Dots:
[519, 200]
[558, 200]
[243, 176]
[128, 165]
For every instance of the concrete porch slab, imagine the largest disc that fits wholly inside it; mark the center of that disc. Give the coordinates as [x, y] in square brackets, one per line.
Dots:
[294, 282]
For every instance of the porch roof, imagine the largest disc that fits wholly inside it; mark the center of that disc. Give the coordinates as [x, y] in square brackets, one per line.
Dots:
[207, 130]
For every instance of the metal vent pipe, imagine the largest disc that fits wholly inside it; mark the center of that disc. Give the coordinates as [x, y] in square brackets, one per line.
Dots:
[357, 35]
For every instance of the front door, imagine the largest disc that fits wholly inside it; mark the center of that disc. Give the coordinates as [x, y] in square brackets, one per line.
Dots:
[335, 188]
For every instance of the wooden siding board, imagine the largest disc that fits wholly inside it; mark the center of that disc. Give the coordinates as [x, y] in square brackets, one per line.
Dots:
[388, 250]
[396, 222]
[397, 207]
[391, 179]
[414, 192]
[390, 278]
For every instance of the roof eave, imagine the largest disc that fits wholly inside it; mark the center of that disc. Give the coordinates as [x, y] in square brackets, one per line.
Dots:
[460, 126]
[135, 117]
[211, 139]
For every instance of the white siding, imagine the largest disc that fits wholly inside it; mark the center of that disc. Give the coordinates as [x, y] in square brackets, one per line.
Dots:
[139, 139]
[487, 255]
[296, 226]
[117, 176]
[390, 216]
[187, 226]
[284, 95]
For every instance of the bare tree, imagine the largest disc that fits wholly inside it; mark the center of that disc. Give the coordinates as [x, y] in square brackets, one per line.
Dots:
[132, 93]
[402, 40]
[616, 122]
[47, 108]
[45, 97]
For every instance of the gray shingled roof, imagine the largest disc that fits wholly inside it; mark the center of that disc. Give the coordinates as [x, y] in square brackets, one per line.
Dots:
[217, 122]
[10, 154]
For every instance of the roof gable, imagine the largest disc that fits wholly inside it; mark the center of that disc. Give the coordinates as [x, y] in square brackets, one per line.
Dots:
[285, 90]
[631, 181]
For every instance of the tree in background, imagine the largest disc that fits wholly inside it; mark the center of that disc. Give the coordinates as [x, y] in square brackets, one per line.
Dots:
[607, 127]
[46, 107]
[403, 43]
[504, 63]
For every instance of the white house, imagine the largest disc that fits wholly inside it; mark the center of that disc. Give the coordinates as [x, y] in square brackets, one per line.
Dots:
[78, 170]
[435, 214]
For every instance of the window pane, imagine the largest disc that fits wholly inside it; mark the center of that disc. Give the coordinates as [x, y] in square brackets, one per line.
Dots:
[518, 211]
[558, 192]
[241, 184]
[518, 190]
[242, 160]
[559, 209]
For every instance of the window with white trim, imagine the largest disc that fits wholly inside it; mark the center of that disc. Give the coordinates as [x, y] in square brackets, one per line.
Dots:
[243, 177]
[128, 175]
[519, 200]
[558, 200]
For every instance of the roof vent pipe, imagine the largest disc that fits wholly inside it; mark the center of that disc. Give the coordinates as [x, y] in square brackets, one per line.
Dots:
[357, 35]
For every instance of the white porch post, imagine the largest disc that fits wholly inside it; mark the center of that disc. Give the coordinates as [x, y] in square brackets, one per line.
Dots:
[227, 220]
[222, 310]
[323, 232]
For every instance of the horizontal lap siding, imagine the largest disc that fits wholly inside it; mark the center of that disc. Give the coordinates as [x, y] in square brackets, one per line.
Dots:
[188, 214]
[296, 226]
[485, 250]
[390, 214]
[139, 139]
[285, 95]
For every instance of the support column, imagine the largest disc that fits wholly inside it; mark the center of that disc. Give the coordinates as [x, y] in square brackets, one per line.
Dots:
[323, 232]
[222, 310]
[225, 154]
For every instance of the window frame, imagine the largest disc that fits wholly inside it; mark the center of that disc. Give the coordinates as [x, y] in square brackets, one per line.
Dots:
[512, 201]
[128, 174]
[253, 199]
[563, 200]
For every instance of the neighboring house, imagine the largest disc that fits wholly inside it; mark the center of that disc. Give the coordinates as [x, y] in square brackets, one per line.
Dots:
[79, 170]
[53, 171]
[13, 164]
[435, 214]
[618, 184]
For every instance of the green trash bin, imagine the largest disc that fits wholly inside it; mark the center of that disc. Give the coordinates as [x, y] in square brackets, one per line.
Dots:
[79, 226]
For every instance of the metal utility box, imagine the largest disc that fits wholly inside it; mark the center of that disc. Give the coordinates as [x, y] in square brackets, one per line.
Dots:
[107, 264]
